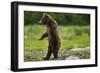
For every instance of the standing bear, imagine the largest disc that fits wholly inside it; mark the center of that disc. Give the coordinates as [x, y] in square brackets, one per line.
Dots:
[52, 33]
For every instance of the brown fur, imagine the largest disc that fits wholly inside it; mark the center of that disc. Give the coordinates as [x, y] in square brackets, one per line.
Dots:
[52, 34]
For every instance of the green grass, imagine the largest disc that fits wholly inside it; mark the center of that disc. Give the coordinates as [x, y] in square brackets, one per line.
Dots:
[71, 37]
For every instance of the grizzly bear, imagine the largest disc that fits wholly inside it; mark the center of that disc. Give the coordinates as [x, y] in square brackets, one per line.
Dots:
[53, 36]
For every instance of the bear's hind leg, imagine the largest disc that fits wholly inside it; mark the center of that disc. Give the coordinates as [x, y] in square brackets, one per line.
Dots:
[55, 53]
[48, 53]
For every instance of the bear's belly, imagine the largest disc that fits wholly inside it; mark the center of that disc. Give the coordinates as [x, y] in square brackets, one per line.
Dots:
[54, 41]
[53, 38]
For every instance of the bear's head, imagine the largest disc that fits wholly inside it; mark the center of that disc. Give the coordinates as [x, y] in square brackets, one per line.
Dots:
[46, 19]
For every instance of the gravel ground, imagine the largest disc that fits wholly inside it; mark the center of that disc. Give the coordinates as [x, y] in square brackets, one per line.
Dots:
[73, 54]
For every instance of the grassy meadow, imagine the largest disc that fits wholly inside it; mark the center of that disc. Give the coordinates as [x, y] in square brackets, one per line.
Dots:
[71, 37]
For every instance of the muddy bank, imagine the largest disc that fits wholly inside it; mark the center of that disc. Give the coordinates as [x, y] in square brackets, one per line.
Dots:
[73, 54]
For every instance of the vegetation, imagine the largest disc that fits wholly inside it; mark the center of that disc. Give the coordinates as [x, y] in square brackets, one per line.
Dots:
[62, 18]
[71, 37]
[74, 30]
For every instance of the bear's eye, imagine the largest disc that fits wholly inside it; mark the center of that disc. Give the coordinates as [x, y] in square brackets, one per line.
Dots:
[46, 17]
[43, 20]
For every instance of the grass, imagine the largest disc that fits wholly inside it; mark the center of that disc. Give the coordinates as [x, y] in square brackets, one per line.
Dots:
[71, 37]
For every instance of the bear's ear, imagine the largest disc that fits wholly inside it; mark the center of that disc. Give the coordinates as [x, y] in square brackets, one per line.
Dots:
[45, 14]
